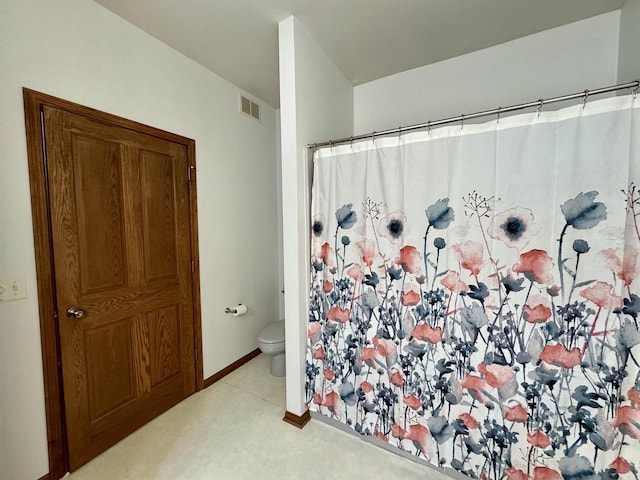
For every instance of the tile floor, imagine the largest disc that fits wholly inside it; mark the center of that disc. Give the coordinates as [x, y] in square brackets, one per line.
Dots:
[233, 430]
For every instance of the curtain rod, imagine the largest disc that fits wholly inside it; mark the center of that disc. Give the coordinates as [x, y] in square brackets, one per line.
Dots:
[496, 111]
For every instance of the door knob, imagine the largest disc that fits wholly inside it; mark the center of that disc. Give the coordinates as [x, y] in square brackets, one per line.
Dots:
[75, 312]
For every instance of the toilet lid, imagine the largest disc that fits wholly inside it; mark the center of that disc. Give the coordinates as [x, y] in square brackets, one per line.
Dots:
[272, 333]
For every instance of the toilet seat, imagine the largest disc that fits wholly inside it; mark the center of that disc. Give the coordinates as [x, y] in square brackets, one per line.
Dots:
[272, 333]
[271, 341]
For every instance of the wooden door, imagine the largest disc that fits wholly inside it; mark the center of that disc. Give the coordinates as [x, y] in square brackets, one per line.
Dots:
[120, 229]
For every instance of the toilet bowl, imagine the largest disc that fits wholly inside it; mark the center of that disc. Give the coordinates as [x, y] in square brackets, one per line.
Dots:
[271, 341]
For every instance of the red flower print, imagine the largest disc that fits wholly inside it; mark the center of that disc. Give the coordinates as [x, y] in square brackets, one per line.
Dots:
[410, 260]
[515, 474]
[366, 387]
[327, 256]
[468, 420]
[620, 465]
[327, 286]
[331, 399]
[546, 473]
[385, 346]
[318, 353]
[381, 436]
[451, 281]
[397, 379]
[397, 431]
[328, 373]
[367, 249]
[313, 331]
[601, 294]
[625, 268]
[469, 254]
[634, 396]
[410, 297]
[369, 356]
[496, 375]
[317, 398]
[536, 265]
[424, 331]
[355, 272]
[559, 356]
[537, 314]
[476, 387]
[334, 403]
[421, 438]
[627, 421]
[412, 402]
[338, 314]
[515, 413]
[538, 439]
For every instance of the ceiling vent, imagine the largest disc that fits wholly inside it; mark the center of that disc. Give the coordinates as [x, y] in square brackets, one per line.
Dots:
[249, 107]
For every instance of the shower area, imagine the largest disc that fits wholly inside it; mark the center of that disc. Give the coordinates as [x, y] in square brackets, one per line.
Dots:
[474, 290]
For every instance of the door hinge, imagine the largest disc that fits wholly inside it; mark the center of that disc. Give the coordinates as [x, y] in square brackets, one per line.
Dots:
[189, 169]
[193, 266]
[196, 350]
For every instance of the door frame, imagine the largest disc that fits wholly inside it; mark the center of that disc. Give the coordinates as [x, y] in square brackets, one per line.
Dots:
[34, 103]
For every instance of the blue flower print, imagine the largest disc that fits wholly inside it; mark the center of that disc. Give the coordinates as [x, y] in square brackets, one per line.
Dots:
[440, 214]
[346, 217]
[582, 212]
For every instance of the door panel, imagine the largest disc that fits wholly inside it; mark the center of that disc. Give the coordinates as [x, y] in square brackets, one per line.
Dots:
[109, 354]
[97, 170]
[158, 212]
[122, 253]
[164, 343]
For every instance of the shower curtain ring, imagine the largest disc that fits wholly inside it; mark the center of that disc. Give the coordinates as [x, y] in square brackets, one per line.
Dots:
[499, 112]
[540, 104]
[586, 96]
[634, 92]
[373, 137]
[351, 141]
[461, 121]
[399, 132]
[429, 127]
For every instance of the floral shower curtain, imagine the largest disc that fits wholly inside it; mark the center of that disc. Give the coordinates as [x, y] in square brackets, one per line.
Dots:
[474, 293]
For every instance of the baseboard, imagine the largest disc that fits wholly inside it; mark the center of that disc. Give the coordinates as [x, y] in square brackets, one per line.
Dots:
[297, 420]
[44, 477]
[227, 370]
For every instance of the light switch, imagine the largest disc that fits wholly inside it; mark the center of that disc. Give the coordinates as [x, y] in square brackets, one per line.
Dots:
[12, 289]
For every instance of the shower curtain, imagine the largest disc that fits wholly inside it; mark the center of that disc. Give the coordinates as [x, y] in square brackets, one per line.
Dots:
[474, 293]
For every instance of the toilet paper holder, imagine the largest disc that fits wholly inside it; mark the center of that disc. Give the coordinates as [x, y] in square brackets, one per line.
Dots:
[239, 309]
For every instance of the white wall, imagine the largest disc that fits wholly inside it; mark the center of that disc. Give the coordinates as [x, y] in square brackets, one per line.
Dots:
[77, 50]
[562, 60]
[279, 213]
[629, 58]
[316, 102]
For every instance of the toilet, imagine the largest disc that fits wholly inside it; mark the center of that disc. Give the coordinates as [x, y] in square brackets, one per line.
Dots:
[271, 341]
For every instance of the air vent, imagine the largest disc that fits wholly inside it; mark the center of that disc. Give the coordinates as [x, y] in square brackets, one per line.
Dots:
[249, 107]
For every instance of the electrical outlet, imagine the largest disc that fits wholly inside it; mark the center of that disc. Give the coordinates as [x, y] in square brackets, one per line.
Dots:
[12, 289]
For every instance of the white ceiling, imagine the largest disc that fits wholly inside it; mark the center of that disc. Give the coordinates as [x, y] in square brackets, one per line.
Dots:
[366, 39]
